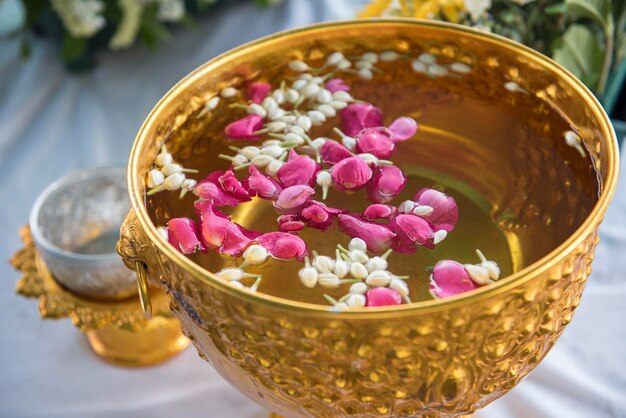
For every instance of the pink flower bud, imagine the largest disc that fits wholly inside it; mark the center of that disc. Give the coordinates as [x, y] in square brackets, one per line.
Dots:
[445, 212]
[377, 237]
[402, 129]
[351, 174]
[293, 198]
[283, 246]
[183, 234]
[383, 296]
[260, 185]
[358, 116]
[449, 278]
[244, 128]
[236, 240]
[332, 152]
[299, 169]
[376, 143]
[213, 188]
[410, 230]
[219, 232]
[318, 215]
[387, 183]
[379, 211]
[336, 84]
[256, 92]
[290, 223]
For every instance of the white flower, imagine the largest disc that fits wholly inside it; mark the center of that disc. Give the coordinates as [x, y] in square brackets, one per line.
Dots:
[250, 152]
[228, 92]
[399, 286]
[378, 278]
[359, 288]
[273, 151]
[163, 158]
[323, 264]
[81, 18]
[422, 210]
[155, 178]
[349, 142]
[261, 161]
[328, 280]
[388, 56]
[163, 232]
[170, 10]
[357, 244]
[255, 254]
[172, 168]
[334, 58]
[308, 276]
[273, 167]
[477, 8]
[358, 271]
[376, 263]
[355, 300]
[173, 182]
[439, 236]
[299, 66]
[359, 256]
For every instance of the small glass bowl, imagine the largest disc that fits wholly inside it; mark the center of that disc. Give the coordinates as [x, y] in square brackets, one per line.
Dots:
[75, 225]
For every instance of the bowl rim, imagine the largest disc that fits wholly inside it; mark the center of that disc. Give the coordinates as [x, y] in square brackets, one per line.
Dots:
[41, 241]
[421, 307]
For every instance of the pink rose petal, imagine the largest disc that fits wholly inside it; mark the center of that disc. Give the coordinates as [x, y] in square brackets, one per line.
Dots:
[379, 211]
[377, 237]
[213, 224]
[375, 143]
[410, 230]
[382, 296]
[290, 223]
[294, 197]
[445, 212]
[258, 184]
[244, 128]
[351, 174]
[184, 235]
[233, 187]
[358, 116]
[449, 278]
[336, 84]
[299, 169]
[256, 92]
[318, 215]
[283, 245]
[332, 152]
[387, 182]
[402, 129]
[212, 188]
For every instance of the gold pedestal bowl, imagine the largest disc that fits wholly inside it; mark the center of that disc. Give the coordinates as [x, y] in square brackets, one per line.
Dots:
[432, 358]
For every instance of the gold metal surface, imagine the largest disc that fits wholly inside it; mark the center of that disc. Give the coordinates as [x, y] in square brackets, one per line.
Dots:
[117, 331]
[433, 358]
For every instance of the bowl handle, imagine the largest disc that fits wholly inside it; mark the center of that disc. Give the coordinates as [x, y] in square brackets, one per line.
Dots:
[139, 255]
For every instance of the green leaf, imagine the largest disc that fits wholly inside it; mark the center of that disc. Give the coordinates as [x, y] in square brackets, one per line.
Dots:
[597, 10]
[581, 52]
[556, 9]
[73, 48]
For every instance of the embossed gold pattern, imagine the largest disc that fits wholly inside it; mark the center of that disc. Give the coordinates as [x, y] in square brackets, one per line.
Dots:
[429, 359]
[117, 331]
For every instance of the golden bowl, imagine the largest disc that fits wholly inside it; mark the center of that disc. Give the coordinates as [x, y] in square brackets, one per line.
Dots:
[432, 358]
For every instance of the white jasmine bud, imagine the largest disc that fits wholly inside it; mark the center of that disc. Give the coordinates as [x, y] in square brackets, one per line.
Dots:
[389, 56]
[358, 271]
[297, 130]
[324, 96]
[299, 66]
[230, 273]
[276, 113]
[338, 104]
[292, 95]
[239, 159]
[356, 300]
[295, 138]
[359, 288]
[308, 276]
[365, 74]
[271, 142]
[379, 278]
[359, 256]
[376, 263]
[171, 168]
[155, 178]
[427, 58]
[316, 117]
[256, 109]
[261, 161]
[399, 286]
[323, 264]
[439, 236]
[269, 103]
[189, 184]
[164, 158]
[334, 58]
[328, 280]
[304, 122]
[255, 254]
[368, 158]
[370, 56]
[461, 68]
[437, 70]
[325, 180]
[341, 268]
[279, 96]
[317, 143]
[344, 64]
[327, 110]
[238, 285]
[342, 96]
[276, 126]
[418, 66]
[478, 274]
[363, 64]
[349, 142]
[173, 181]
[310, 90]
[228, 92]
[407, 206]
[212, 104]
[357, 244]
[422, 210]
[306, 76]
[250, 152]
[490, 266]
[299, 84]
[273, 151]
[273, 167]
[163, 232]
[288, 119]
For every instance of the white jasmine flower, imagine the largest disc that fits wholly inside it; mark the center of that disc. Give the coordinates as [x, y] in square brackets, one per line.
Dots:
[477, 8]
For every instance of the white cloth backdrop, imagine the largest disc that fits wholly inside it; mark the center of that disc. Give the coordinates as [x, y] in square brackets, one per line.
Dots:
[52, 122]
